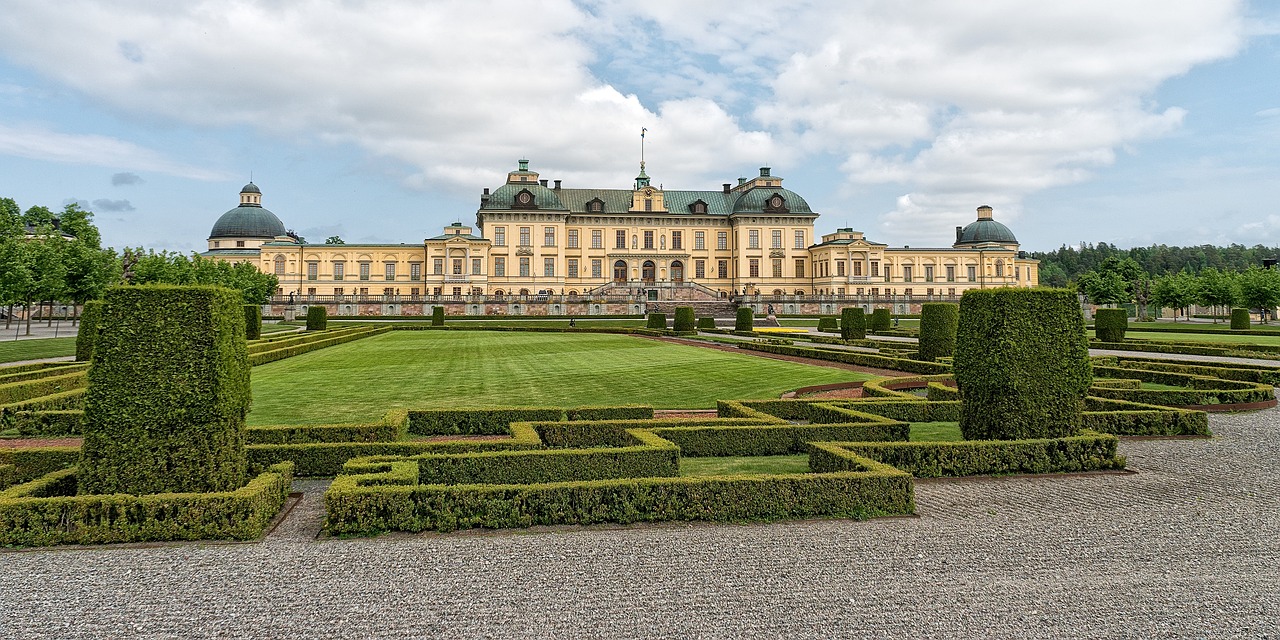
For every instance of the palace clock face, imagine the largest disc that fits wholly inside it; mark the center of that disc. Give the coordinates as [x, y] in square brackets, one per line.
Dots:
[648, 192]
[525, 198]
[776, 202]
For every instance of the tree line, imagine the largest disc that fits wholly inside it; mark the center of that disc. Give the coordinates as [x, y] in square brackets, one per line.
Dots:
[1063, 266]
[1116, 281]
[47, 258]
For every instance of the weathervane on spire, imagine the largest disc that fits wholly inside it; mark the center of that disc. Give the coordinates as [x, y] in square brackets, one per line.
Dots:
[642, 130]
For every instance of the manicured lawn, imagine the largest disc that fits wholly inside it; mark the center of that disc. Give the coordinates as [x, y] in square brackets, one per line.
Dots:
[1204, 326]
[361, 380]
[935, 432]
[277, 327]
[739, 466]
[1214, 338]
[15, 350]
[1156, 386]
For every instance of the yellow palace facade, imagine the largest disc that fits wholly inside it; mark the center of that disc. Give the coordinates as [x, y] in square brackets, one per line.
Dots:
[543, 248]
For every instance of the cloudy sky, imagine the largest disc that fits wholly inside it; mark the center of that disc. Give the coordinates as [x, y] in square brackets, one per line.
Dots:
[1127, 121]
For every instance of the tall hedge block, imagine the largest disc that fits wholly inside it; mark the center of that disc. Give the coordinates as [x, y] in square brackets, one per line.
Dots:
[318, 318]
[828, 324]
[706, 322]
[252, 322]
[1109, 325]
[89, 319]
[656, 321]
[168, 393]
[880, 319]
[1239, 320]
[938, 323]
[437, 316]
[684, 319]
[1021, 363]
[745, 320]
[853, 323]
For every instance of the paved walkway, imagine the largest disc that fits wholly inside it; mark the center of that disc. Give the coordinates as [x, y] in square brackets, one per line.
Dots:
[1189, 546]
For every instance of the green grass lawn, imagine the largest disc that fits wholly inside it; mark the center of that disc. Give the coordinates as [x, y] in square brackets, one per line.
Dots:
[738, 466]
[1203, 326]
[935, 432]
[1209, 338]
[15, 350]
[276, 327]
[1156, 386]
[361, 380]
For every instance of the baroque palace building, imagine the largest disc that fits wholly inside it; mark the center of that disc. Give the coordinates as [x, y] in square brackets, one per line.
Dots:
[548, 249]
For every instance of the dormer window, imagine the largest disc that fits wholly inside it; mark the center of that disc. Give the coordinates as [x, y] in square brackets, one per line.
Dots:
[596, 205]
[698, 206]
[524, 200]
[776, 204]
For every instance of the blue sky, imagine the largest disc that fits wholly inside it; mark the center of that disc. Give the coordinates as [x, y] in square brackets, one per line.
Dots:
[1129, 122]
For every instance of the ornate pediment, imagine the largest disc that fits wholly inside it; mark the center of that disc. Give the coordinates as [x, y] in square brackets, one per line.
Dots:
[524, 251]
[777, 253]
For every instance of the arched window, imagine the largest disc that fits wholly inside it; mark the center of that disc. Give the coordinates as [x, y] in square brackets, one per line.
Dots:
[498, 293]
[279, 265]
[648, 271]
[524, 292]
[677, 271]
[778, 292]
[620, 271]
[800, 292]
[999, 268]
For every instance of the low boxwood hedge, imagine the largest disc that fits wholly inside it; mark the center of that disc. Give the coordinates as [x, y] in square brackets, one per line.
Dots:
[851, 357]
[774, 440]
[311, 343]
[306, 434]
[9, 375]
[627, 412]
[14, 392]
[67, 422]
[32, 462]
[1124, 418]
[1087, 451]
[476, 422]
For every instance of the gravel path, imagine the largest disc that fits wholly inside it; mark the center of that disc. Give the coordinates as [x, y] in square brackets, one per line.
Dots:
[1189, 546]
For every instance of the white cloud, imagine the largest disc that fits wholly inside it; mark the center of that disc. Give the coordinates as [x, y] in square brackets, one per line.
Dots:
[41, 144]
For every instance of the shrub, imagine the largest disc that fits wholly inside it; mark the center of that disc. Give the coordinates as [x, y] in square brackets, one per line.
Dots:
[631, 412]
[880, 319]
[1021, 363]
[33, 462]
[853, 323]
[1239, 319]
[270, 352]
[89, 318]
[168, 393]
[14, 392]
[706, 323]
[938, 322]
[656, 321]
[317, 318]
[1109, 325]
[252, 322]
[66, 422]
[437, 316]
[684, 319]
[1085, 452]
[745, 320]
[470, 422]
[850, 357]
[828, 324]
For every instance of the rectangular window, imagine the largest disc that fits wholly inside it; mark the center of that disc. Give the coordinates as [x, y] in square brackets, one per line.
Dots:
[415, 271]
[722, 269]
[800, 239]
[677, 239]
[906, 273]
[597, 239]
[437, 266]
[364, 270]
[457, 266]
[799, 267]
[475, 266]
[699, 269]
[951, 292]
[548, 267]
[337, 291]
[875, 292]
[339, 270]
[951, 273]
[387, 292]
[776, 239]
[279, 265]
[929, 292]
[699, 240]
[415, 292]
[906, 292]
[524, 236]
[875, 269]
[753, 239]
[499, 236]
[754, 268]
[857, 267]
[457, 292]
[1017, 273]
[311, 292]
[648, 204]
[840, 268]
[313, 270]
[548, 236]
[648, 239]
[597, 269]
[573, 238]
[573, 268]
[364, 291]
[524, 267]
[620, 239]
[500, 266]
[777, 266]
[390, 270]
[722, 240]
[928, 273]
[973, 273]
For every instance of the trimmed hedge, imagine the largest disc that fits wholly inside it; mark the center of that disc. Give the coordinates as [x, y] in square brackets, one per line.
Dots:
[938, 324]
[473, 422]
[684, 319]
[318, 318]
[1109, 325]
[880, 319]
[828, 324]
[774, 440]
[656, 321]
[322, 459]
[271, 352]
[15, 392]
[40, 513]
[88, 333]
[1021, 363]
[252, 322]
[1199, 390]
[306, 434]
[1085, 452]
[706, 323]
[853, 323]
[1124, 418]
[871, 490]
[168, 393]
[1239, 318]
[745, 320]
[68, 422]
[1231, 371]
[653, 457]
[32, 462]
[851, 357]
[437, 316]
[73, 399]
[628, 412]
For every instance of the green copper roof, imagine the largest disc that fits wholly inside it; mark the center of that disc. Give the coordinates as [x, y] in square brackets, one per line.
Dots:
[754, 200]
[247, 221]
[505, 196]
[985, 230]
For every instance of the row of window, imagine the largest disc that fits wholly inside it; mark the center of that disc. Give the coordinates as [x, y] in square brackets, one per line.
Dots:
[620, 239]
[908, 271]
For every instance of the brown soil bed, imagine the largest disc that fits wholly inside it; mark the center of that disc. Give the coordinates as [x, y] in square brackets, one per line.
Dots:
[889, 373]
[31, 443]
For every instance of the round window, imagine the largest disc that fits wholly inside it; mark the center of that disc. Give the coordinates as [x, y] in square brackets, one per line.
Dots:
[525, 198]
[776, 202]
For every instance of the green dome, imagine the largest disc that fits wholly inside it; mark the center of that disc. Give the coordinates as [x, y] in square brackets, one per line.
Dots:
[985, 230]
[247, 221]
[505, 196]
[755, 200]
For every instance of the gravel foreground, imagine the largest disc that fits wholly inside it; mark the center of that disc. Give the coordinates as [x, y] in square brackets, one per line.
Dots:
[1189, 546]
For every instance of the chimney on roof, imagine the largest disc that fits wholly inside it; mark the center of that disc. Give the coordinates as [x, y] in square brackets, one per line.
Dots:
[543, 182]
[557, 185]
[959, 230]
[726, 187]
